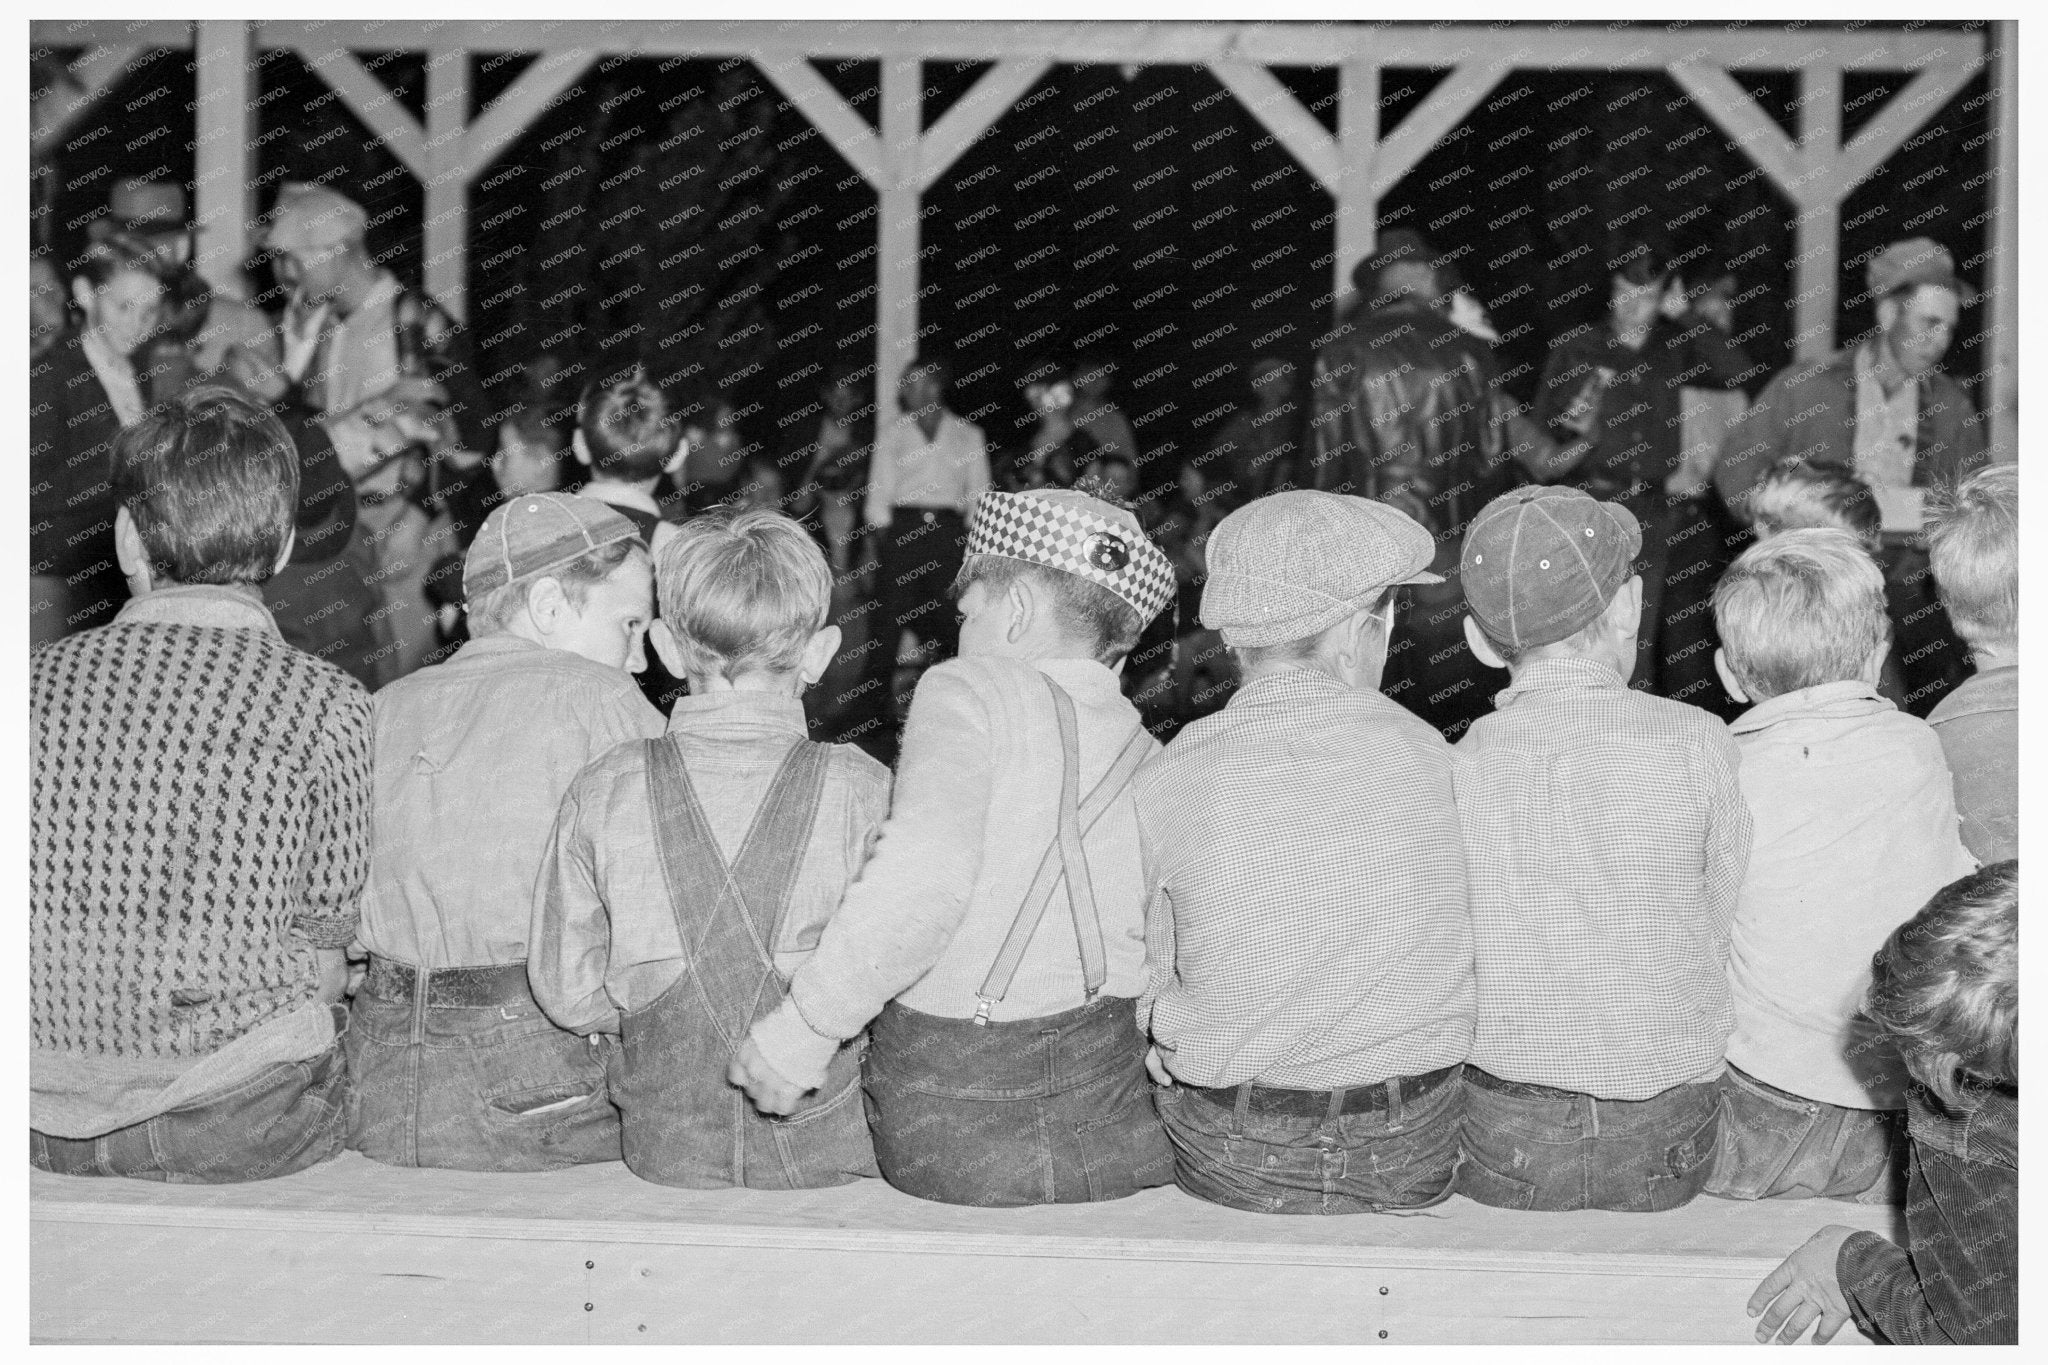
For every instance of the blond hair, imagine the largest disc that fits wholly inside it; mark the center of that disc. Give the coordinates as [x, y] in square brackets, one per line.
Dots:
[1800, 609]
[1945, 987]
[1974, 548]
[743, 591]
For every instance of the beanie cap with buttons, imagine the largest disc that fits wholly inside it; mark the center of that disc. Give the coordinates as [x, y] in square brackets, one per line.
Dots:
[1541, 563]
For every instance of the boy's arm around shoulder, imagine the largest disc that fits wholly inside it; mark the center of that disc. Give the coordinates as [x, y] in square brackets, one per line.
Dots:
[904, 907]
[569, 941]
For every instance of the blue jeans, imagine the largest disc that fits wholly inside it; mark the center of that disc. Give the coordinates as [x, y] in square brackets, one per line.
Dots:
[468, 1074]
[1398, 1153]
[1056, 1110]
[1777, 1145]
[283, 1119]
[1536, 1147]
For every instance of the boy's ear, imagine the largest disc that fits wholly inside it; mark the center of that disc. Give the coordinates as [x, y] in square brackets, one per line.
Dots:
[1625, 608]
[818, 653]
[129, 551]
[1873, 667]
[1482, 648]
[547, 603]
[581, 447]
[284, 554]
[675, 461]
[1736, 692]
[666, 647]
[1023, 607]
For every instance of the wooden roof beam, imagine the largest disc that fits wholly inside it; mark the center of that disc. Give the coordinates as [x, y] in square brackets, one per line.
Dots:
[817, 101]
[1908, 111]
[1429, 123]
[1749, 127]
[370, 100]
[1317, 43]
[973, 114]
[95, 72]
[1295, 128]
[526, 99]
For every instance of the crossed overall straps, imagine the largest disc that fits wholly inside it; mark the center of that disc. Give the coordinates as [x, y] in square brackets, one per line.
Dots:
[746, 897]
[1065, 859]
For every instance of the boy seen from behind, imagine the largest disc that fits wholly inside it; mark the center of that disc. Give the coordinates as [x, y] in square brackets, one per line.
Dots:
[1855, 827]
[1975, 551]
[1605, 838]
[455, 1064]
[689, 876]
[627, 438]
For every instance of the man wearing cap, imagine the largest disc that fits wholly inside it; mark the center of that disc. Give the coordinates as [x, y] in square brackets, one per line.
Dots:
[1311, 993]
[1410, 409]
[389, 370]
[997, 935]
[1606, 839]
[454, 1063]
[1884, 411]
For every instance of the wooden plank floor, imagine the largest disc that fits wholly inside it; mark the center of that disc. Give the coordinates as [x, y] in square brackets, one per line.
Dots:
[353, 1251]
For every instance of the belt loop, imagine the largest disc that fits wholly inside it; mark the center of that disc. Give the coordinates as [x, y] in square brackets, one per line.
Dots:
[419, 1004]
[1334, 1108]
[1593, 1109]
[1243, 1107]
[1394, 1100]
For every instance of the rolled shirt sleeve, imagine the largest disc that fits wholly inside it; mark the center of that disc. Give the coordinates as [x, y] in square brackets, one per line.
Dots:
[569, 946]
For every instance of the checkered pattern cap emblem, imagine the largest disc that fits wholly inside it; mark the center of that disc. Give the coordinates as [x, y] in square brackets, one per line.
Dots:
[1070, 537]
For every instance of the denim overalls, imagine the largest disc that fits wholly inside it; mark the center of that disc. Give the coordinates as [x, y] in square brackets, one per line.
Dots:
[684, 1123]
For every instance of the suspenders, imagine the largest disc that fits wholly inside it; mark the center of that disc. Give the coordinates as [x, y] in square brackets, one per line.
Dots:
[1066, 859]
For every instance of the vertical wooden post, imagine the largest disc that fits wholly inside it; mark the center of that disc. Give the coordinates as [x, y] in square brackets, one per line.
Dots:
[1818, 242]
[447, 179]
[896, 282]
[224, 175]
[2001, 390]
[1358, 131]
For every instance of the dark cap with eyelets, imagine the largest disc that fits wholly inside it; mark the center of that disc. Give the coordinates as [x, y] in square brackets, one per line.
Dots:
[1540, 563]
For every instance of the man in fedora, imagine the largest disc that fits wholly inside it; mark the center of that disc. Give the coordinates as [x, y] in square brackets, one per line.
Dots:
[1311, 984]
[1882, 410]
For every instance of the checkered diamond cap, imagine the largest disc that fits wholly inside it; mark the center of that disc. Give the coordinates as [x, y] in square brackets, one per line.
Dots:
[1289, 565]
[1075, 534]
[534, 533]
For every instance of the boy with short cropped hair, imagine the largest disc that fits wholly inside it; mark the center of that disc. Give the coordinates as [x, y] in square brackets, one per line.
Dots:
[1975, 553]
[997, 938]
[1794, 495]
[454, 1062]
[627, 438]
[1855, 828]
[690, 876]
[1605, 838]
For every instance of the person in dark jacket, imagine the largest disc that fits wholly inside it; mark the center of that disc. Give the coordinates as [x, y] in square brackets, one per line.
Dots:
[1882, 410]
[1945, 988]
[1618, 385]
[1410, 409]
[82, 392]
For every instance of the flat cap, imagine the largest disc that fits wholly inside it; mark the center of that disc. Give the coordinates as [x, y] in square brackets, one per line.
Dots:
[1064, 529]
[535, 533]
[312, 216]
[1288, 565]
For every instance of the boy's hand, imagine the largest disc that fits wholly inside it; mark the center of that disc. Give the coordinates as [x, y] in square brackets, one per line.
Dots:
[1802, 1289]
[770, 1091]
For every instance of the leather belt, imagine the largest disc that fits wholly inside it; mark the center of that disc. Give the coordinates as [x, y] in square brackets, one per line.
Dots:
[1357, 1099]
[448, 987]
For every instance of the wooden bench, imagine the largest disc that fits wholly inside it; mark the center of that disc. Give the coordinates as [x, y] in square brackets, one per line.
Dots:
[352, 1251]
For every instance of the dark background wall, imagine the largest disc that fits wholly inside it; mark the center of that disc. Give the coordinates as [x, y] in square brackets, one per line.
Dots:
[678, 208]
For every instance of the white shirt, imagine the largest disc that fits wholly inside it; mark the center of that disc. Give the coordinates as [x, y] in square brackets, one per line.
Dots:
[1855, 828]
[116, 376]
[1887, 427]
[949, 470]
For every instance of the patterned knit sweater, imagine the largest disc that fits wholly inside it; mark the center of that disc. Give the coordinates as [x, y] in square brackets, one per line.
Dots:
[200, 821]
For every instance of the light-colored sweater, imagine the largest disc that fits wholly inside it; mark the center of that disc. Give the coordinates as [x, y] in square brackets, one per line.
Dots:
[976, 806]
